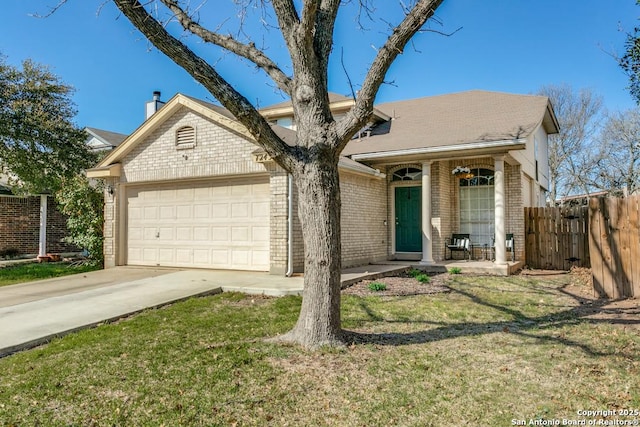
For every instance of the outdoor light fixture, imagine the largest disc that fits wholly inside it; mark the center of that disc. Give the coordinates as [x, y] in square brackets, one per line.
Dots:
[110, 190]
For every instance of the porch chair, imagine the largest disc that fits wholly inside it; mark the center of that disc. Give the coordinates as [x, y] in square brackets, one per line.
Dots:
[510, 245]
[458, 243]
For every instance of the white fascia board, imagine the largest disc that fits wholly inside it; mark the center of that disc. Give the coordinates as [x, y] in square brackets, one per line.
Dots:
[361, 170]
[509, 144]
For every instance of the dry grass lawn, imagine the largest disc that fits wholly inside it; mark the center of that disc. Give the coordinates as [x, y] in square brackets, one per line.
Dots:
[489, 351]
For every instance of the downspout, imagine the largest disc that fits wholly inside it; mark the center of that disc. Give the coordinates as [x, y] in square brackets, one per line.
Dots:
[289, 225]
[42, 239]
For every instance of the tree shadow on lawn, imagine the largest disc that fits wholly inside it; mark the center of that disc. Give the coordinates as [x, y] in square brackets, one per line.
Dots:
[521, 324]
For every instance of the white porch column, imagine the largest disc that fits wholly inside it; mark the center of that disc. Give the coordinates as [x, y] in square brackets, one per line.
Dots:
[499, 197]
[42, 244]
[427, 249]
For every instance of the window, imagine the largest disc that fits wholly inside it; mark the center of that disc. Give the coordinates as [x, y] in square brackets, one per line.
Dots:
[477, 207]
[185, 137]
[407, 174]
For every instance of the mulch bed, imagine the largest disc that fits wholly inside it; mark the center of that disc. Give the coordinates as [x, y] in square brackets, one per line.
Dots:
[401, 285]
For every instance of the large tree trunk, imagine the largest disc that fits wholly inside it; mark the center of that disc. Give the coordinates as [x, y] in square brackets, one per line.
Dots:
[319, 211]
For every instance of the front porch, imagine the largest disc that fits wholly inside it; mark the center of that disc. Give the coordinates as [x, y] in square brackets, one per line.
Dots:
[475, 267]
[390, 268]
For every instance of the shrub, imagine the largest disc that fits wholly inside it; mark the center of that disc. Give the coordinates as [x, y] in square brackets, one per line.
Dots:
[9, 253]
[82, 202]
[414, 272]
[455, 270]
[423, 278]
[377, 286]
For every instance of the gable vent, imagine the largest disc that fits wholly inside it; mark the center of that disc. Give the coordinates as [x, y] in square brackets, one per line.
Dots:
[186, 137]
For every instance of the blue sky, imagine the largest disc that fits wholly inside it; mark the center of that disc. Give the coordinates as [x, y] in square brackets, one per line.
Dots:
[504, 45]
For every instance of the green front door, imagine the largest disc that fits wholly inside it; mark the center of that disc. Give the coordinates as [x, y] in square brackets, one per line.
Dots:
[408, 230]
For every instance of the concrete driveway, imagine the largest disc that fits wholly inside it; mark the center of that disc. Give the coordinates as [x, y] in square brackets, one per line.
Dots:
[34, 313]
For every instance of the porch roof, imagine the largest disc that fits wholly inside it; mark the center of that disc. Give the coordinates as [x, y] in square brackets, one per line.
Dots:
[474, 118]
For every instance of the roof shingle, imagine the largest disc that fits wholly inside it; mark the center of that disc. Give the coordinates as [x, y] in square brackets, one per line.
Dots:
[459, 118]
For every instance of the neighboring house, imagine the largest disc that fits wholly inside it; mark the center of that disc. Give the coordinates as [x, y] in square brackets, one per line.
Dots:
[190, 188]
[103, 140]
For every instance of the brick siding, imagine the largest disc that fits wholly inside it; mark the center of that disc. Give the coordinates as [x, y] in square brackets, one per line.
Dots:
[20, 226]
[363, 214]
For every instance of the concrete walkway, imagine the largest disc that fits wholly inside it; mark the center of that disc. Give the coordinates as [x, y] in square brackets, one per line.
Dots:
[33, 313]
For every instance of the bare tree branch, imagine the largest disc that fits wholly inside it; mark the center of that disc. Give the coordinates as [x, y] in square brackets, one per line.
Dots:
[346, 73]
[247, 51]
[325, 25]
[52, 10]
[308, 20]
[363, 108]
[231, 99]
[288, 20]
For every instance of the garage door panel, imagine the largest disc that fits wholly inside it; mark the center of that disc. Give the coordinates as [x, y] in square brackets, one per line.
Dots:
[240, 210]
[166, 233]
[135, 233]
[260, 234]
[220, 210]
[202, 193]
[241, 190]
[220, 258]
[209, 225]
[220, 234]
[201, 211]
[167, 212]
[150, 212]
[149, 234]
[184, 194]
[149, 195]
[260, 209]
[240, 234]
[186, 233]
[135, 212]
[201, 256]
[184, 256]
[184, 211]
[220, 191]
[135, 253]
[166, 255]
[200, 234]
[149, 254]
[260, 257]
[240, 258]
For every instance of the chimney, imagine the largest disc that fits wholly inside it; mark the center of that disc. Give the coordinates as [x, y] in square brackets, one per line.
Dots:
[154, 105]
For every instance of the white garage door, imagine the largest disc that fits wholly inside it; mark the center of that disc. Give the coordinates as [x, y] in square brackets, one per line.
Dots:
[213, 224]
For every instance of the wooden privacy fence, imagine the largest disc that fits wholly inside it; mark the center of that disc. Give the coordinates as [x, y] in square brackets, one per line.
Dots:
[614, 241]
[556, 238]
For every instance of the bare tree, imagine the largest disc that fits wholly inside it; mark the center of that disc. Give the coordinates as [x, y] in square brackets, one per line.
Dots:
[570, 150]
[616, 166]
[307, 28]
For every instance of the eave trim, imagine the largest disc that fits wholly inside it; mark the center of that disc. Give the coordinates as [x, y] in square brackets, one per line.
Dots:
[511, 144]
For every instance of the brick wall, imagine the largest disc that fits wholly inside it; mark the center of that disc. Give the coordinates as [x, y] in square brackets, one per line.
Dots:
[111, 223]
[441, 211]
[363, 215]
[20, 225]
[218, 152]
[514, 221]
